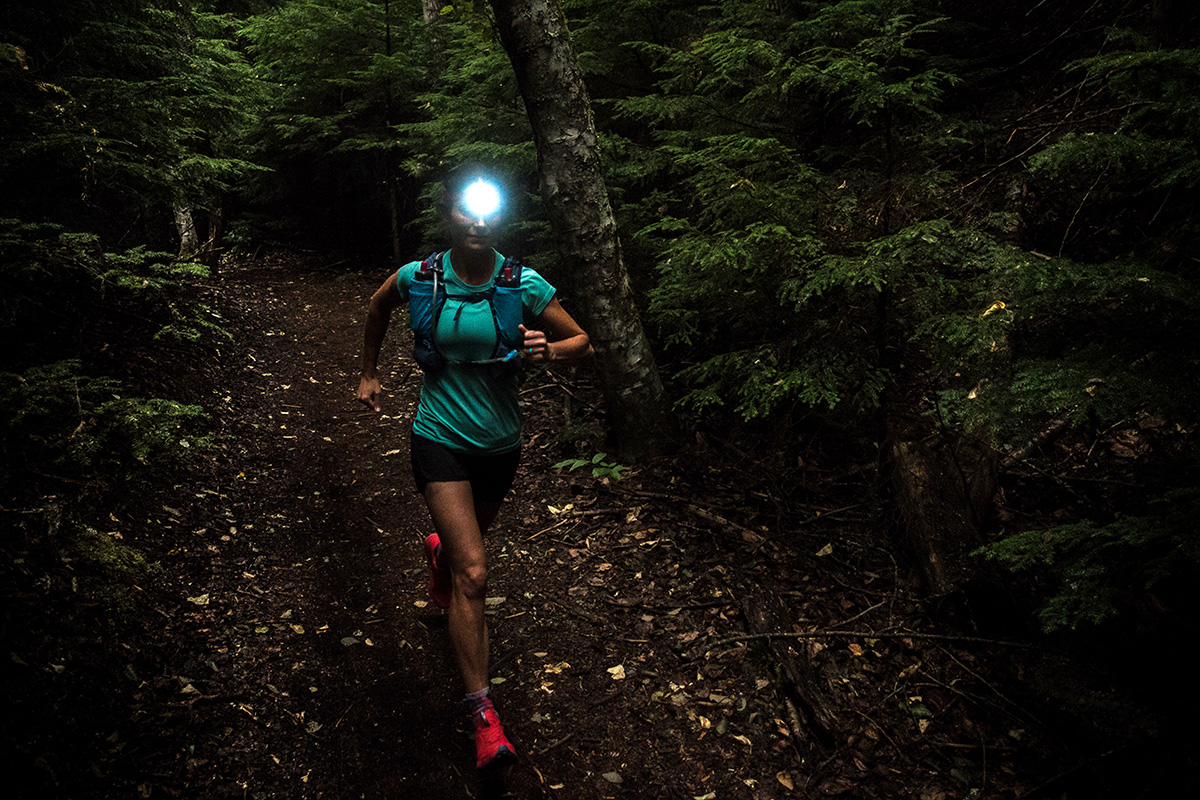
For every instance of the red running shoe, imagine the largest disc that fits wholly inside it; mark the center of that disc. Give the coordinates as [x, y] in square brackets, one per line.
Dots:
[492, 747]
[440, 584]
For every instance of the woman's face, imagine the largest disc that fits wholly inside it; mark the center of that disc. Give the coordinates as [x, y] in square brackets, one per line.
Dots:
[468, 232]
[475, 216]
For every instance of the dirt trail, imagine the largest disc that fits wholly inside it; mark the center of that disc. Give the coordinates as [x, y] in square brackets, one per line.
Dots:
[320, 671]
[354, 670]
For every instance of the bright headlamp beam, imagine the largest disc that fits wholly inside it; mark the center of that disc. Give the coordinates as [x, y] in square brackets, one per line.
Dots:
[481, 199]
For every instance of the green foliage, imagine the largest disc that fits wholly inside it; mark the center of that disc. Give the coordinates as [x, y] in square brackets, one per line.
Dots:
[861, 56]
[1133, 176]
[108, 570]
[599, 465]
[332, 77]
[753, 217]
[1089, 344]
[1103, 569]
[66, 425]
[123, 106]
[65, 296]
[42, 265]
[1155, 143]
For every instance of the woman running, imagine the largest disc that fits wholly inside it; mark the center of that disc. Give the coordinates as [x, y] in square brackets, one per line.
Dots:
[466, 434]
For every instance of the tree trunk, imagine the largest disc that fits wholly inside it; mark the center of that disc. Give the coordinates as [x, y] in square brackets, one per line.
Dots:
[943, 492]
[216, 229]
[534, 33]
[185, 226]
[432, 11]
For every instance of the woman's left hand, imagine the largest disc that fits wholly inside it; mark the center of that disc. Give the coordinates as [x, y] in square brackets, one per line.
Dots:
[537, 347]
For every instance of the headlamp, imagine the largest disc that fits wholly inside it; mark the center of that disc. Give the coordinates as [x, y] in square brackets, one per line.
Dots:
[481, 200]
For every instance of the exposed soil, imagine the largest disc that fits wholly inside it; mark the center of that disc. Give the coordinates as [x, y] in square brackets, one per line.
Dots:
[290, 651]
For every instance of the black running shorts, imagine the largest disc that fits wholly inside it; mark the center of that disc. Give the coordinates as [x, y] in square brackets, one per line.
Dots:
[490, 474]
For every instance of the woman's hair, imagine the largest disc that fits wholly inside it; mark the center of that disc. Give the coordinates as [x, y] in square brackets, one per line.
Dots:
[459, 179]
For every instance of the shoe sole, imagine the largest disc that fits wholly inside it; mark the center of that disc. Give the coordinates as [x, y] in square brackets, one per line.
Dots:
[503, 757]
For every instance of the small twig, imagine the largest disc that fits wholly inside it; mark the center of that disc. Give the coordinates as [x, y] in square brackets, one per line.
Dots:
[862, 613]
[879, 729]
[556, 743]
[1089, 763]
[826, 514]
[613, 694]
[344, 713]
[655, 607]
[574, 610]
[751, 537]
[1074, 216]
[576, 515]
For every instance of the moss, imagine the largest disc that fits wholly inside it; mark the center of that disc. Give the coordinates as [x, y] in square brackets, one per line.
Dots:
[108, 570]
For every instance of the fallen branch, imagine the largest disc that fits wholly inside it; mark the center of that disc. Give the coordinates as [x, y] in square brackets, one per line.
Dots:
[612, 601]
[749, 536]
[574, 610]
[748, 637]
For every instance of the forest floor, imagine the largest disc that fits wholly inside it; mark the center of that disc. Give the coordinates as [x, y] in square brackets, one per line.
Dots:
[289, 650]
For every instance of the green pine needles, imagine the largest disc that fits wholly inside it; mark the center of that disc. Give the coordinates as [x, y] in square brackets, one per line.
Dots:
[1100, 570]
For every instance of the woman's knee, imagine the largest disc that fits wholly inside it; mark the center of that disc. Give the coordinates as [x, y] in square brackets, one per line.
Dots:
[471, 578]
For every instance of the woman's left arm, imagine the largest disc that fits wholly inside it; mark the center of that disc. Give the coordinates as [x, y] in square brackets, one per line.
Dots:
[559, 339]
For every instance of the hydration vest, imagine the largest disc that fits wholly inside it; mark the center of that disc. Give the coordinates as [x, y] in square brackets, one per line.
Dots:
[427, 296]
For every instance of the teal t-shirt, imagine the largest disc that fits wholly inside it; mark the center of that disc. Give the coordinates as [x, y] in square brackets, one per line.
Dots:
[462, 406]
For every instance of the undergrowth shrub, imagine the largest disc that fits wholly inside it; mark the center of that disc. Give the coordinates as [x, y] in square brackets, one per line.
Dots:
[72, 311]
[1099, 570]
[62, 289]
[64, 425]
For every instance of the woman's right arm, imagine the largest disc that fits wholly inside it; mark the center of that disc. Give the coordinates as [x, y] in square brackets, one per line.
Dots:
[379, 314]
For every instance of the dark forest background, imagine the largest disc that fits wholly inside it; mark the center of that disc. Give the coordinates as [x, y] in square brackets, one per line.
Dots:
[951, 243]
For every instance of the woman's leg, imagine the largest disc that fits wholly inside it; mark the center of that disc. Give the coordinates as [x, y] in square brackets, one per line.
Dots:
[461, 523]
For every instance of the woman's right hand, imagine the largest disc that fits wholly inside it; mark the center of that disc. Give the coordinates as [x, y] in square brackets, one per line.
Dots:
[370, 393]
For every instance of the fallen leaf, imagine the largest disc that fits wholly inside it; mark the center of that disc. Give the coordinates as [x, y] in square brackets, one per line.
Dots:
[826, 550]
[612, 777]
[785, 779]
[617, 672]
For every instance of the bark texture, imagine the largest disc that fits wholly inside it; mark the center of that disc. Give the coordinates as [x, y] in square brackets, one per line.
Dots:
[534, 33]
[185, 226]
[943, 492]
[765, 613]
[431, 11]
